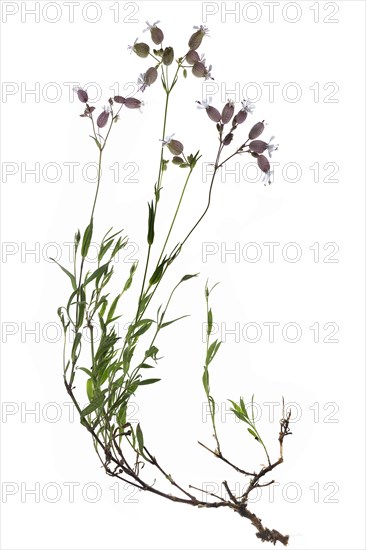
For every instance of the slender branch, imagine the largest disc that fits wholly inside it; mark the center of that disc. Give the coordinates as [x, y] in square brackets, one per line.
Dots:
[221, 457]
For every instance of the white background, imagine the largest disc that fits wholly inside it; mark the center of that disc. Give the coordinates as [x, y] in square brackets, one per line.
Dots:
[325, 450]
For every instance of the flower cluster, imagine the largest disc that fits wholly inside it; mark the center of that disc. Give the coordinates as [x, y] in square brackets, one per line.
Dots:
[252, 145]
[164, 56]
[107, 112]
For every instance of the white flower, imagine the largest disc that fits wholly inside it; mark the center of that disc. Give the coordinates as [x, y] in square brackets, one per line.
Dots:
[132, 47]
[267, 177]
[202, 28]
[204, 104]
[167, 140]
[248, 106]
[141, 82]
[208, 73]
[271, 147]
[149, 27]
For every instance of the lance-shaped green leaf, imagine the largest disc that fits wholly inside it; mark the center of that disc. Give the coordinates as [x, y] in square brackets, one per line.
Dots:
[173, 321]
[209, 322]
[187, 277]
[212, 350]
[206, 381]
[104, 249]
[112, 309]
[140, 438]
[130, 278]
[158, 273]
[121, 243]
[149, 381]
[90, 389]
[142, 327]
[72, 278]
[81, 307]
[87, 239]
[75, 351]
[97, 273]
[93, 406]
[151, 223]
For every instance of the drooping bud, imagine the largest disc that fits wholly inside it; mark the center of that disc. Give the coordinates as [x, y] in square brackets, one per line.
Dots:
[192, 57]
[227, 112]
[88, 111]
[256, 130]
[150, 76]
[196, 38]
[258, 146]
[228, 139]
[177, 160]
[141, 49]
[119, 99]
[199, 69]
[103, 118]
[82, 95]
[157, 35]
[168, 56]
[213, 114]
[132, 103]
[240, 117]
[263, 163]
[175, 147]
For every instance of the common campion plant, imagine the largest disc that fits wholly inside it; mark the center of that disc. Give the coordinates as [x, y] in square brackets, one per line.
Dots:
[113, 369]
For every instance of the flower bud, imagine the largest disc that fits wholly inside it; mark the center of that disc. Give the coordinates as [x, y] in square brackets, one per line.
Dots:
[175, 147]
[256, 130]
[257, 146]
[199, 69]
[88, 111]
[213, 114]
[228, 139]
[141, 49]
[196, 38]
[157, 35]
[119, 99]
[132, 103]
[102, 119]
[263, 163]
[177, 160]
[168, 56]
[82, 95]
[227, 112]
[150, 76]
[240, 117]
[192, 57]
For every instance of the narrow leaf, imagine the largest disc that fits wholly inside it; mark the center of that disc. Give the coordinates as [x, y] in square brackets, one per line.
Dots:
[97, 273]
[90, 389]
[149, 381]
[209, 322]
[95, 404]
[72, 278]
[140, 438]
[87, 239]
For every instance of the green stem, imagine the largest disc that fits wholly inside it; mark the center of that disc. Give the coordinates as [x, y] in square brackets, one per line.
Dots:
[209, 398]
[98, 182]
[175, 215]
[158, 186]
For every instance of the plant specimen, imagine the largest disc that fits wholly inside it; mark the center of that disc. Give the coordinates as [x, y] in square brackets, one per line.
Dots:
[111, 368]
